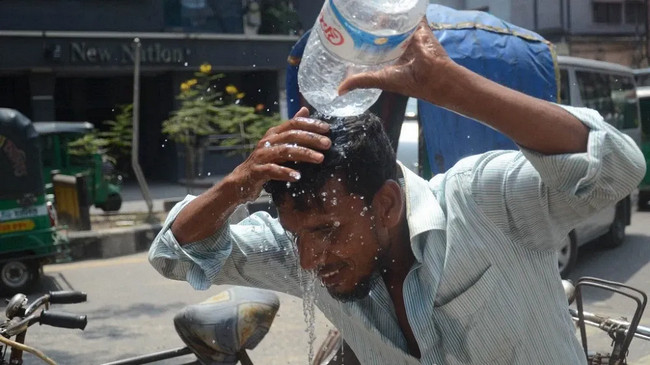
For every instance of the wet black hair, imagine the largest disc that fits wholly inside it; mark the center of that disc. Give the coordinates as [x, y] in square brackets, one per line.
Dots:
[361, 156]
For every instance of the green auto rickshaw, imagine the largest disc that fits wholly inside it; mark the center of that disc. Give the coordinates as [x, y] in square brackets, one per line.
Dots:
[103, 185]
[29, 237]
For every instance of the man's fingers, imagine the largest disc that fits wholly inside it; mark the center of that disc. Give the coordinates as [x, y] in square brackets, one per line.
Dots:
[286, 152]
[302, 113]
[365, 80]
[276, 172]
[302, 138]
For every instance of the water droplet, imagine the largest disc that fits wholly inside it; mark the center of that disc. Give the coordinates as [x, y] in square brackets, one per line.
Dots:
[288, 185]
[337, 224]
[376, 258]
[209, 173]
[254, 65]
[185, 64]
[296, 175]
[267, 144]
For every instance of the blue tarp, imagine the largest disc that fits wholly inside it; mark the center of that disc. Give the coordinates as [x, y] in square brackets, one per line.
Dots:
[510, 55]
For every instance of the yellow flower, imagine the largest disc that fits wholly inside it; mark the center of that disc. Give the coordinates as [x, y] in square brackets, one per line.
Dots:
[185, 86]
[191, 82]
[205, 68]
[231, 90]
[241, 95]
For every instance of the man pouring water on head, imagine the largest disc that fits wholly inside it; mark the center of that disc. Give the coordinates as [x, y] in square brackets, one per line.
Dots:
[457, 270]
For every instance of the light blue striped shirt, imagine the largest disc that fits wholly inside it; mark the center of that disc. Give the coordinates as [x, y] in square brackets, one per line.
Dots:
[485, 287]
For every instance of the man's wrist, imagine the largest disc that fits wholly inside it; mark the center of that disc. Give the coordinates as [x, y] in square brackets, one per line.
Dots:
[239, 189]
[450, 86]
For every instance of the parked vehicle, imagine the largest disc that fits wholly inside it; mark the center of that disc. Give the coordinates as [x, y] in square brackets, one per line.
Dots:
[643, 93]
[28, 234]
[103, 189]
[237, 319]
[606, 87]
[642, 76]
[224, 326]
[611, 90]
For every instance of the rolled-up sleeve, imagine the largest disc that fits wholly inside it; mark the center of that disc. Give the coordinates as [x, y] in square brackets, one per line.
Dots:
[537, 199]
[254, 252]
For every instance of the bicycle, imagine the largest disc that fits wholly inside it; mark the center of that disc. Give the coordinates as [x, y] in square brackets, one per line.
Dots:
[240, 317]
[252, 311]
[622, 332]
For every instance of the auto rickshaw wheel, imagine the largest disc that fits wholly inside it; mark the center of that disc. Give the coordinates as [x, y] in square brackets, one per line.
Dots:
[18, 276]
[113, 203]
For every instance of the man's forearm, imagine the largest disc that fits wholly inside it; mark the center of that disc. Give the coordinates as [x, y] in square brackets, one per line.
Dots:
[530, 122]
[208, 212]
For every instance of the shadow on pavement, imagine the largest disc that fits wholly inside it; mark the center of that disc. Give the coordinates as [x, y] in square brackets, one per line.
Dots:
[618, 264]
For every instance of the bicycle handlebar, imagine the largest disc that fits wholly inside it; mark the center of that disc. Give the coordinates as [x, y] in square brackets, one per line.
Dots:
[64, 320]
[606, 323]
[67, 297]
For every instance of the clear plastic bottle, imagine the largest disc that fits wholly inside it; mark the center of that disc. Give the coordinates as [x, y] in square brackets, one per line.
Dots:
[350, 37]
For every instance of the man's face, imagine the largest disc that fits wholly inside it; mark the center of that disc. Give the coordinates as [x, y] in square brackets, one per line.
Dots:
[339, 241]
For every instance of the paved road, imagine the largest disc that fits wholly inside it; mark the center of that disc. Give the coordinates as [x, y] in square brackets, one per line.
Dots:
[629, 264]
[130, 309]
[130, 306]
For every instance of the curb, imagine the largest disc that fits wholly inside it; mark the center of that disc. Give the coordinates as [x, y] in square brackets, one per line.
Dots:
[111, 242]
[114, 242]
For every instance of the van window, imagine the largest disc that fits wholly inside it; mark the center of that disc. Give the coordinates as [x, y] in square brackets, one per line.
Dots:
[565, 94]
[614, 96]
[625, 101]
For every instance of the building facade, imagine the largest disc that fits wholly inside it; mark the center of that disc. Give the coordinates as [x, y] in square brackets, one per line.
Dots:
[606, 30]
[73, 60]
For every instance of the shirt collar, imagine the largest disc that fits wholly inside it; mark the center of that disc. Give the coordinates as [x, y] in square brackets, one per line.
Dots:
[423, 211]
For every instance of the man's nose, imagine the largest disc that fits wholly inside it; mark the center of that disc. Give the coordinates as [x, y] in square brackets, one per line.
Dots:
[312, 256]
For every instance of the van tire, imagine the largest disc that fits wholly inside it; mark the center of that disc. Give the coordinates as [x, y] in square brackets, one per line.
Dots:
[568, 255]
[18, 276]
[616, 235]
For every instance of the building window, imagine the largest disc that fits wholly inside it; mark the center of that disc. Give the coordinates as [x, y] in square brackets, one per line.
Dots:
[607, 12]
[634, 12]
[233, 16]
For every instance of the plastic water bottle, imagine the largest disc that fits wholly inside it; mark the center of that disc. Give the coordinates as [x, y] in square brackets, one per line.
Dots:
[350, 37]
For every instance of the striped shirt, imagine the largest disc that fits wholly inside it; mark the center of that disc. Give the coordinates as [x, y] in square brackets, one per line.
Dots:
[485, 287]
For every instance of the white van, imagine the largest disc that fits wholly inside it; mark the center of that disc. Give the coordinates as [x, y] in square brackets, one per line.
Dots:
[610, 89]
[606, 87]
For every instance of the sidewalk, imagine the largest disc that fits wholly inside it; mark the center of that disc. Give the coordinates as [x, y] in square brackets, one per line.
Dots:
[128, 232]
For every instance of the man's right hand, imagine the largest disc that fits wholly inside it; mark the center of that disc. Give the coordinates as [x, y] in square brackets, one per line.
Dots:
[299, 139]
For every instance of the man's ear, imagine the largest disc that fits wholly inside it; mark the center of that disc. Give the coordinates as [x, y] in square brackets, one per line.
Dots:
[389, 203]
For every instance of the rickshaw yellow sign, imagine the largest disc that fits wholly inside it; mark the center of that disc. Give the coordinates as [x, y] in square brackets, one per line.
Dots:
[17, 226]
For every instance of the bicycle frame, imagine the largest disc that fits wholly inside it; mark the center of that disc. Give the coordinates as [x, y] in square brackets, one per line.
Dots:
[620, 332]
[170, 354]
